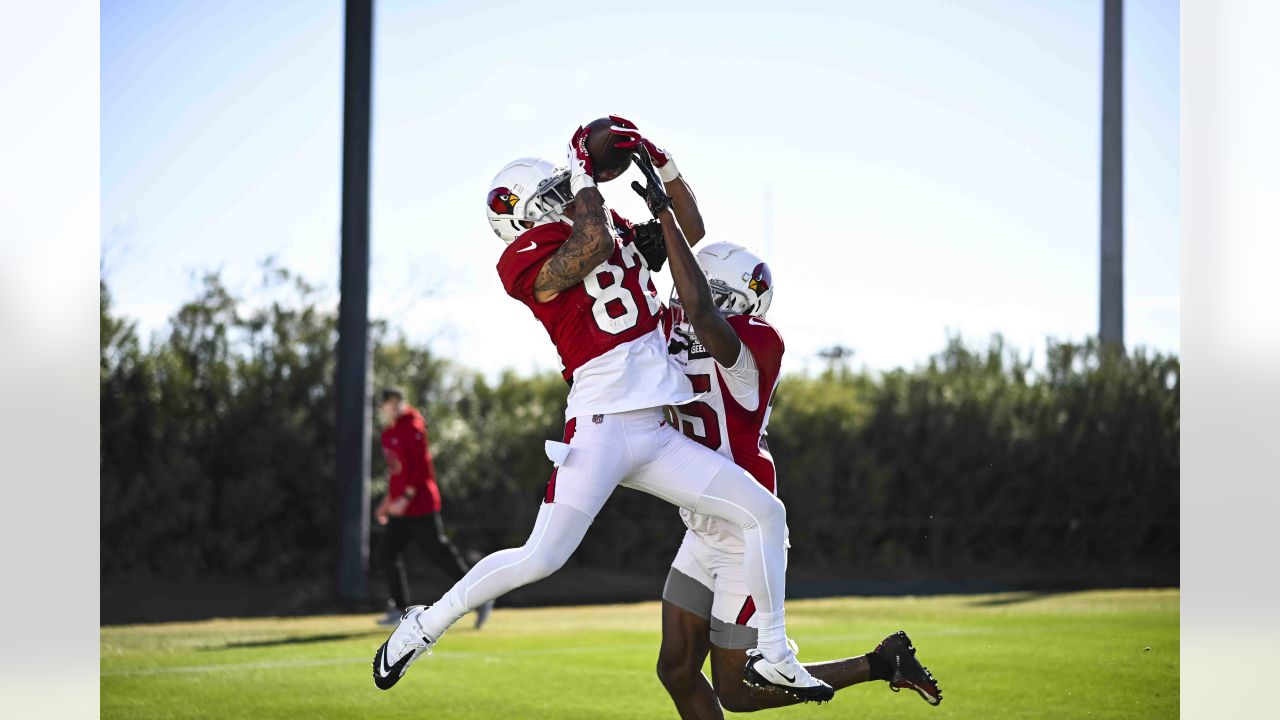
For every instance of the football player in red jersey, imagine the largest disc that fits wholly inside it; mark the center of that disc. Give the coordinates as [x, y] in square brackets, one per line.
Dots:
[719, 335]
[577, 267]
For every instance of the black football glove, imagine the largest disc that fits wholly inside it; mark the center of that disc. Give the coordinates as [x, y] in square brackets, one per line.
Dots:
[648, 240]
[654, 196]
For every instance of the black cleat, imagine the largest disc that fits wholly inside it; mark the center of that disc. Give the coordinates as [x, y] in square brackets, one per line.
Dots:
[907, 671]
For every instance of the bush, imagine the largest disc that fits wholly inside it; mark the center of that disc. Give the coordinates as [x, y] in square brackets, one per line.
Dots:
[218, 455]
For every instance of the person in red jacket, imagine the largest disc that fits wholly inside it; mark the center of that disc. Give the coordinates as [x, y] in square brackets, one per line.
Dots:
[411, 508]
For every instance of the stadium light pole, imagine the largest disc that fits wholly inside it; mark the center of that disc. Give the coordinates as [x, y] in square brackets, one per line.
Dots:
[353, 309]
[1111, 285]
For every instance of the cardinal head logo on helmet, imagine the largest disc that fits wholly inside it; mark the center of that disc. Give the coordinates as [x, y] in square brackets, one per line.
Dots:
[761, 279]
[502, 201]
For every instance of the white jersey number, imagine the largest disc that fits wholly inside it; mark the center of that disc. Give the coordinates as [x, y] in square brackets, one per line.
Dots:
[698, 420]
[615, 308]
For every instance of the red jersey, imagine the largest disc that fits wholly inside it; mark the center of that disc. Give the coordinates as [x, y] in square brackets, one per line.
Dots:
[408, 454]
[732, 426]
[605, 328]
[613, 305]
[731, 418]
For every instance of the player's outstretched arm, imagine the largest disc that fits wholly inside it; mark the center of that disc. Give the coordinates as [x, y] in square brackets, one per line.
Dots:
[685, 206]
[588, 245]
[713, 331]
[682, 199]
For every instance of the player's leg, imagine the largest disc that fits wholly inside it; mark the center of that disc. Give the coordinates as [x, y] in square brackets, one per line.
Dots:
[684, 649]
[734, 632]
[598, 458]
[394, 541]
[440, 550]
[893, 660]
[686, 631]
[556, 534]
[579, 487]
[737, 696]
[683, 472]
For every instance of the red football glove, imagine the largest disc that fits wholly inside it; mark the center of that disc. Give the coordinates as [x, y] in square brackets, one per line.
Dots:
[632, 139]
[580, 170]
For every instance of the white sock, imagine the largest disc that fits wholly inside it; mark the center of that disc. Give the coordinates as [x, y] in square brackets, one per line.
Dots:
[438, 618]
[772, 641]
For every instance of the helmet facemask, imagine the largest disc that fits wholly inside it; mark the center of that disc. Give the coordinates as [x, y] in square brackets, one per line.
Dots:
[728, 300]
[548, 201]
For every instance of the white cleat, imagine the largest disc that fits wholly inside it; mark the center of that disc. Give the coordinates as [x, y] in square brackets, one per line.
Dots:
[406, 644]
[788, 675]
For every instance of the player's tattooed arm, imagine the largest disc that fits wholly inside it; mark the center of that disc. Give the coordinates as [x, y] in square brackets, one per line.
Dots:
[588, 245]
[713, 331]
[686, 208]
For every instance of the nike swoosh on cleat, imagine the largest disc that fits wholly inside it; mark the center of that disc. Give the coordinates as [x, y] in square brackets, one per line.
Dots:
[386, 669]
[384, 680]
[788, 679]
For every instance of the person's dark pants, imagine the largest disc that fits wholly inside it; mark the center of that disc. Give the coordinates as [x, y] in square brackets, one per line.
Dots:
[427, 531]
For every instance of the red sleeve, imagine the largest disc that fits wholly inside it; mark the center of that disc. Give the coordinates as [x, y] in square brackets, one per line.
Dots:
[520, 262]
[762, 339]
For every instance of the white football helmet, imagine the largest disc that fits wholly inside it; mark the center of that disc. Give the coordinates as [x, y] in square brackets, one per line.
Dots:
[526, 193]
[740, 280]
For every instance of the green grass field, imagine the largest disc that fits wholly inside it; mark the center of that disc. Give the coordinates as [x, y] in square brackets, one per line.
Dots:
[1110, 654]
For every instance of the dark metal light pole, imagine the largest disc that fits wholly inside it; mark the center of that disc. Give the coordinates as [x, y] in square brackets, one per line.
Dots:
[353, 310]
[1111, 285]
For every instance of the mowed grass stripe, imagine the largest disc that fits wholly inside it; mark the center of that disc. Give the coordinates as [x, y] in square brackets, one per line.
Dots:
[300, 663]
[1111, 654]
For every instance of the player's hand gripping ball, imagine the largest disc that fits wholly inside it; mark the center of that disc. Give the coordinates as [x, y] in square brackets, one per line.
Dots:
[608, 162]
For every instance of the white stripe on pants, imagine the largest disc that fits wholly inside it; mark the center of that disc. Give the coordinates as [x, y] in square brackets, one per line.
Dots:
[639, 450]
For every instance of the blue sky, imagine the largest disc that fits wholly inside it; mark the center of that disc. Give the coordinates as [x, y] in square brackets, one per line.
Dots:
[932, 165]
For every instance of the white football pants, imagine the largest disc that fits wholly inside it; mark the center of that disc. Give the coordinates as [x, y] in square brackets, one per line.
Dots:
[636, 449]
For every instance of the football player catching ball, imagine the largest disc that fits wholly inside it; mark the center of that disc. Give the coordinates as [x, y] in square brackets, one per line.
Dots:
[719, 335]
[577, 267]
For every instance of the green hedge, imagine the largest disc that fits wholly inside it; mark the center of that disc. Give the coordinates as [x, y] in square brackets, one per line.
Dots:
[217, 455]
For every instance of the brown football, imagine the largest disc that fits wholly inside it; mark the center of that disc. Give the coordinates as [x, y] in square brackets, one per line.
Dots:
[608, 161]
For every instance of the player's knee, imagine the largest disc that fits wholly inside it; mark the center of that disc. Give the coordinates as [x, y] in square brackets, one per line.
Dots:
[772, 512]
[538, 565]
[676, 671]
[780, 510]
[734, 698]
[732, 693]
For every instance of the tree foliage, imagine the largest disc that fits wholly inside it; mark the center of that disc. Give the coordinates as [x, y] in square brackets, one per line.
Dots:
[218, 454]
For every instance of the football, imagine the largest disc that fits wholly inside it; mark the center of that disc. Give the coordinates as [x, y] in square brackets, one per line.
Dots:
[609, 162]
